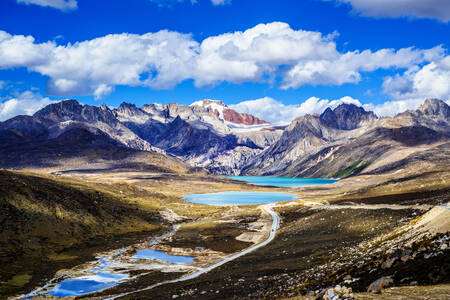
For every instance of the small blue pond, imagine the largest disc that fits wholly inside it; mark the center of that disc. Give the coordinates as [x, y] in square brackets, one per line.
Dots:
[283, 181]
[87, 284]
[160, 255]
[239, 198]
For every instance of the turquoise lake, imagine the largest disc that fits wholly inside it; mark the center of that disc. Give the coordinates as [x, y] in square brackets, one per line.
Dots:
[239, 198]
[283, 181]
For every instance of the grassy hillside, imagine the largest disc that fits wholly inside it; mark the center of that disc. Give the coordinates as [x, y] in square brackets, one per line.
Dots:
[42, 219]
[49, 223]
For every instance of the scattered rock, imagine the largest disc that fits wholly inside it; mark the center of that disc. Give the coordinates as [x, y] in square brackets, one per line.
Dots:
[379, 284]
[405, 258]
[388, 263]
[338, 292]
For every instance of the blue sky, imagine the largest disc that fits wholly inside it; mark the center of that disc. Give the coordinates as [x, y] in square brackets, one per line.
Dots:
[389, 75]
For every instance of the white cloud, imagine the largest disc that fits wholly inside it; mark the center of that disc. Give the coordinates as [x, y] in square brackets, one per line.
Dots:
[27, 103]
[21, 51]
[276, 112]
[161, 60]
[429, 81]
[434, 9]
[158, 60]
[346, 68]
[259, 51]
[64, 5]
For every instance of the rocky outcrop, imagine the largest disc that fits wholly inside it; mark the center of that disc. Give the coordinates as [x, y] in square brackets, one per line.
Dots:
[233, 116]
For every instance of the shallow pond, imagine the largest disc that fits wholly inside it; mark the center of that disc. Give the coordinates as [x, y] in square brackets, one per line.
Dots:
[101, 279]
[87, 284]
[160, 255]
[283, 181]
[239, 198]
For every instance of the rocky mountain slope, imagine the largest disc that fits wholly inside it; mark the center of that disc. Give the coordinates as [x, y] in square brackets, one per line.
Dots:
[68, 135]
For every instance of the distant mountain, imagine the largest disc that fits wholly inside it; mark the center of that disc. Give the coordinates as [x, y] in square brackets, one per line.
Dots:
[194, 133]
[348, 141]
[69, 135]
[340, 142]
[61, 116]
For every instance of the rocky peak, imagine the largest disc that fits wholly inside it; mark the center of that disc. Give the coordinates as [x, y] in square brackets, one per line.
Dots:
[346, 117]
[157, 111]
[129, 110]
[227, 114]
[93, 114]
[58, 112]
[435, 107]
[72, 110]
[329, 118]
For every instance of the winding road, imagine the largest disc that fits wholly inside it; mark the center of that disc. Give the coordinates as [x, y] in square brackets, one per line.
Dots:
[273, 229]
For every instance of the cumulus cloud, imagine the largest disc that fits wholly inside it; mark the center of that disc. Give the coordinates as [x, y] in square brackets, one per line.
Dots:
[64, 5]
[434, 9]
[265, 53]
[158, 60]
[27, 103]
[347, 68]
[276, 112]
[431, 80]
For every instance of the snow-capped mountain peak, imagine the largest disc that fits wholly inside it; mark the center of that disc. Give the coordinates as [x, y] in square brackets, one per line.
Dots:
[229, 115]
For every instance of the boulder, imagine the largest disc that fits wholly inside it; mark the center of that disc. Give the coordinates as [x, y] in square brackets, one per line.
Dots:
[379, 284]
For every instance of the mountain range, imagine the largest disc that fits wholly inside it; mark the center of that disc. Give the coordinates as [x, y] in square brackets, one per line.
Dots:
[341, 142]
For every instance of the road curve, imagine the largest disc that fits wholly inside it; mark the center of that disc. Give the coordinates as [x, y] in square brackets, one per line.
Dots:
[275, 225]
